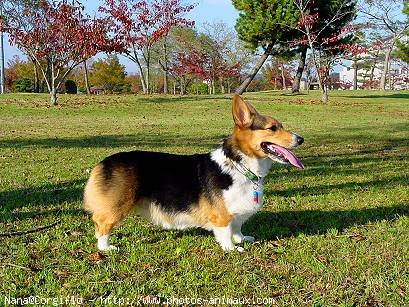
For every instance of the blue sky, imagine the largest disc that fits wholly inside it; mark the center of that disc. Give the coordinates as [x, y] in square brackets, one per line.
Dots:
[205, 11]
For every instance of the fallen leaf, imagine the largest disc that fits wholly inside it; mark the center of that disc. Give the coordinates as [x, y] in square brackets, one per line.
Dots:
[401, 290]
[323, 260]
[356, 236]
[96, 257]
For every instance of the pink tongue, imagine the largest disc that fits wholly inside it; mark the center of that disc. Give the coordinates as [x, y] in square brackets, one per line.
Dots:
[288, 155]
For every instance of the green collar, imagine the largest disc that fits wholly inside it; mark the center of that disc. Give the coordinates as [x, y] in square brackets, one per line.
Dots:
[246, 172]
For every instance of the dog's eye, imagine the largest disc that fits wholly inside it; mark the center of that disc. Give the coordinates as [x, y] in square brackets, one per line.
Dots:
[273, 128]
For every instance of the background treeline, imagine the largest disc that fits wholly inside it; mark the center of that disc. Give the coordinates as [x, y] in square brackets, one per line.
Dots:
[275, 45]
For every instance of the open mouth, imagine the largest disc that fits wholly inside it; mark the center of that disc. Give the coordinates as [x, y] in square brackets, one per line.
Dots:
[280, 154]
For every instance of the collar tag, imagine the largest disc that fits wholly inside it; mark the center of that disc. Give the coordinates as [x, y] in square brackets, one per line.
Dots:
[255, 197]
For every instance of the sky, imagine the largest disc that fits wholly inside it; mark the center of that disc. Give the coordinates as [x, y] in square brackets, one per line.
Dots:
[205, 11]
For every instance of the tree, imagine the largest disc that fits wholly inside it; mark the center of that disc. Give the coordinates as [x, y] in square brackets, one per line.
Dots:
[60, 35]
[264, 24]
[325, 11]
[16, 13]
[278, 73]
[326, 34]
[136, 25]
[403, 51]
[18, 69]
[173, 11]
[211, 56]
[301, 66]
[109, 74]
[384, 17]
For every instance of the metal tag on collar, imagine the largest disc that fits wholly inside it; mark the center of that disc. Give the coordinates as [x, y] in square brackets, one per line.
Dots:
[255, 197]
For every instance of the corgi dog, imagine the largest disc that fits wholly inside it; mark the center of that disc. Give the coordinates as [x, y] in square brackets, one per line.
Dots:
[217, 191]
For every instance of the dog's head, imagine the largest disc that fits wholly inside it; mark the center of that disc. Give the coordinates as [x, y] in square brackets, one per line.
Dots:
[260, 136]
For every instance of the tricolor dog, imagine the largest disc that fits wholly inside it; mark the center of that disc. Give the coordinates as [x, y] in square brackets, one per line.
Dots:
[217, 191]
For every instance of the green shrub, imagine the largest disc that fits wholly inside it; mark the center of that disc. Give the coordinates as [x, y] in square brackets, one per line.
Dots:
[70, 87]
[198, 88]
[23, 86]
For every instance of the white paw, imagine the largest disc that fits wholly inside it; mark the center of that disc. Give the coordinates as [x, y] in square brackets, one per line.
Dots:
[249, 238]
[239, 238]
[239, 249]
[232, 247]
[108, 248]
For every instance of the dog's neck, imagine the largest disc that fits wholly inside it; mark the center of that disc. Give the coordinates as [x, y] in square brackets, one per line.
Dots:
[259, 167]
[227, 155]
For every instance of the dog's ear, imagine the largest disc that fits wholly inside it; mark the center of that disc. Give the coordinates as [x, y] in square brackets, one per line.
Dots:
[243, 112]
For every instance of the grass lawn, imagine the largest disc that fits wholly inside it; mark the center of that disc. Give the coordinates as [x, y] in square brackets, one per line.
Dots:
[336, 233]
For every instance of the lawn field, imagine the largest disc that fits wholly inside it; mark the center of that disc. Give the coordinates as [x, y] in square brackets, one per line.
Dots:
[333, 234]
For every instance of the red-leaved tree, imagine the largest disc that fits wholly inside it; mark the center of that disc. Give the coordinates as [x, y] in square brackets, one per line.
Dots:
[60, 37]
[136, 25]
[329, 36]
[205, 67]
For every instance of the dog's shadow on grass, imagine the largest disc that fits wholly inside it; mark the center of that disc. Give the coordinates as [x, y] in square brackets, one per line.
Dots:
[267, 225]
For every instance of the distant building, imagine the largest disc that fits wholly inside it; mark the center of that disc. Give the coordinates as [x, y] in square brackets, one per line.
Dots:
[398, 76]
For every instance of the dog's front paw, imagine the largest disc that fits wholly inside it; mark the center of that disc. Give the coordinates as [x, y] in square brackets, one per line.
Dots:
[108, 248]
[249, 238]
[240, 238]
[232, 247]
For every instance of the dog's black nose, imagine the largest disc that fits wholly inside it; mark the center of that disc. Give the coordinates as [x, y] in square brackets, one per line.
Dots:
[300, 140]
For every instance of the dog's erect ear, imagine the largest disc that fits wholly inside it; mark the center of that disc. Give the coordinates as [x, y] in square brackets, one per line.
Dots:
[243, 112]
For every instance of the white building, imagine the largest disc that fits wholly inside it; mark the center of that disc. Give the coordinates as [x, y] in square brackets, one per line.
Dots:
[398, 76]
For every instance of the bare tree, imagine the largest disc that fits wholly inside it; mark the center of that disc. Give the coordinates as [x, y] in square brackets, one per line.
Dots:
[385, 18]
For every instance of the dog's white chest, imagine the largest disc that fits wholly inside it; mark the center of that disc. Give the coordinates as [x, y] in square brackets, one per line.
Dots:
[244, 196]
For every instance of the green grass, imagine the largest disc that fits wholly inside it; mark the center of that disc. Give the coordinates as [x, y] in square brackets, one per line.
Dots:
[336, 233]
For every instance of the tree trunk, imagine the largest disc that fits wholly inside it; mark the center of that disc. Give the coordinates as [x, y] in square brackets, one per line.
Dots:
[385, 68]
[165, 82]
[283, 77]
[373, 70]
[148, 73]
[240, 90]
[182, 87]
[222, 88]
[165, 67]
[53, 97]
[324, 95]
[300, 70]
[36, 79]
[355, 85]
[138, 63]
[86, 78]
[53, 91]
[321, 75]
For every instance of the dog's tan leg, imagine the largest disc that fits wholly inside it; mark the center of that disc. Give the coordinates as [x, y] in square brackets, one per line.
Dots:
[103, 227]
[109, 202]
